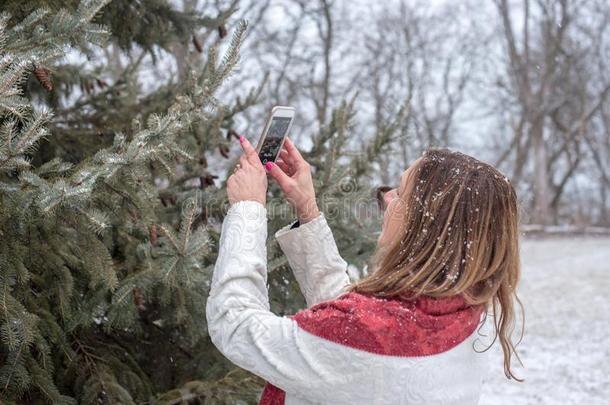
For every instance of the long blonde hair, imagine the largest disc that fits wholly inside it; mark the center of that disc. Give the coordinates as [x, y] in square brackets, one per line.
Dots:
[460, 237]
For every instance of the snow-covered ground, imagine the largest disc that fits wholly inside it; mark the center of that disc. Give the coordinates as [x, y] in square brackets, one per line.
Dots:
[565, 289]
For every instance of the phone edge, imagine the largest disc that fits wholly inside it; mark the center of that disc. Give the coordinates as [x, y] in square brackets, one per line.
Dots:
[262, 138]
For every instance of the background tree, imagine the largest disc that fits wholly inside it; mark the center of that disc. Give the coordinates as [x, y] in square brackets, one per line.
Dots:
[473, 75]
[557, 92]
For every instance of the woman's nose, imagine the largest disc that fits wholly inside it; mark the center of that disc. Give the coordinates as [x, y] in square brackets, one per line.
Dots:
[385, 194]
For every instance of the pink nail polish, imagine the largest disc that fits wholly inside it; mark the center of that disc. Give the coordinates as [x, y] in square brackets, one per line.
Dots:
[269, 165]
[241, 138]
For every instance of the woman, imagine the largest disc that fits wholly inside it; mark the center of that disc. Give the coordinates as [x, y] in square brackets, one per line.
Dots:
[404, 334]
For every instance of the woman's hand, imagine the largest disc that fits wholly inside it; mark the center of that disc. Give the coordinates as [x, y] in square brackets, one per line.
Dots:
[249, 181]
[293, 174]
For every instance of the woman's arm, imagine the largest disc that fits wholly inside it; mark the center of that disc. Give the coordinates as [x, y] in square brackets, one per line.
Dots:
[244, 330]
[315, 260]
[310, 248]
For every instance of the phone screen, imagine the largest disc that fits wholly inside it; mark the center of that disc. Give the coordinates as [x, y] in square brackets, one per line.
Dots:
[273, 140]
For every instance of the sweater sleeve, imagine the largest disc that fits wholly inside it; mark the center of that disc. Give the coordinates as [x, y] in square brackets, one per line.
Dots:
[238, 315]
[315, 260]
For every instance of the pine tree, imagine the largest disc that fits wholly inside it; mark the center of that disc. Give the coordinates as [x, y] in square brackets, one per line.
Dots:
[109, 212]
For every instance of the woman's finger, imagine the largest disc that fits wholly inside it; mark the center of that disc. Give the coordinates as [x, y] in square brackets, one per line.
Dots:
[278, 174]
[294, 153]
[285, 156]
[249, 151]
[285, 168]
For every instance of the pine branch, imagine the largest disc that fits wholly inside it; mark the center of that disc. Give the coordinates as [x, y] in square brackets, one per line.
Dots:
[78, 272]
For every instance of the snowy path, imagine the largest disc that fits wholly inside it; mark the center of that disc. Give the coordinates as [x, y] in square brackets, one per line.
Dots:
[565, 288]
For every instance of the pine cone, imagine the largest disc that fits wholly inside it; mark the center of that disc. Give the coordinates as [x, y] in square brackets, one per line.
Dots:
[138, 298]
[168, 199]
[44, 77]
[207, 180]
[232, 133]
[203, 161]
[201, 219]
[222, 31]
[197, 44]
[101, 83]
[84, 86]
[224, 151]
[152, 234]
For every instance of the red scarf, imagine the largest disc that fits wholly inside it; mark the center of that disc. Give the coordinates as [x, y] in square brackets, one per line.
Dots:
[389, 326]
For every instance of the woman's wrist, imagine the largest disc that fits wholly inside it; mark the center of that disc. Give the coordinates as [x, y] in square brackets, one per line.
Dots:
[261, 200]
[309, 213]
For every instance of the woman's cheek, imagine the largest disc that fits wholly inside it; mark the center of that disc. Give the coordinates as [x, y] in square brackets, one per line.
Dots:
[395, 218]
[389, 197]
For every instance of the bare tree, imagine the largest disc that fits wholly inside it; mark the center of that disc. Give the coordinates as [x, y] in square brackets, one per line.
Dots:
[422, 57]
[535, 72]
[548, 84]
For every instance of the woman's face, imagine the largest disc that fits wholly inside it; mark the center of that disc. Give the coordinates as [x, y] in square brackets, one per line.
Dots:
[394, 214]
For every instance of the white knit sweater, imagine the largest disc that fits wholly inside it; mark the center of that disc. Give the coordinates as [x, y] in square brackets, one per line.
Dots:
[311, 369]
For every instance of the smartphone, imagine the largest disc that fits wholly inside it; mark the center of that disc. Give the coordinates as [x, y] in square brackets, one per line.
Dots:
[276, 129]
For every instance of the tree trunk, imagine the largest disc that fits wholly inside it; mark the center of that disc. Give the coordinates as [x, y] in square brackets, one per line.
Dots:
[542, 200]
[604, 219]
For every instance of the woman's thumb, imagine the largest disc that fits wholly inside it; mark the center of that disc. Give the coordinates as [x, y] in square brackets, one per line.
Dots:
[277, 173]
